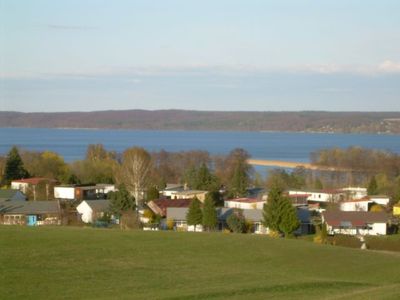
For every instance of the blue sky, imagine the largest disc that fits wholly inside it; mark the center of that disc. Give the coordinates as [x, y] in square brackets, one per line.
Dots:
[205, 55]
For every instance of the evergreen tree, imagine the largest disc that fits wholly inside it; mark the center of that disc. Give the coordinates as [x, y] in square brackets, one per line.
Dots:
[289, 220]
[14, 168]
[209, 214]
[121, 201]
[194, 215]
[372, 186]
[271, 212]
[152, 193]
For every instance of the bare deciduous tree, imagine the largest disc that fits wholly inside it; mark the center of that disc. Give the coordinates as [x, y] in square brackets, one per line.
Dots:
[134, 172]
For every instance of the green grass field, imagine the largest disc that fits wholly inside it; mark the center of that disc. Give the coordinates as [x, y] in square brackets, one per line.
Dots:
[86, 263]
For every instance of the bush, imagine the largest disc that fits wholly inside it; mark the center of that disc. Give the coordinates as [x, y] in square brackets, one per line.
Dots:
[236, 222]
[170, 224]
[129, 220]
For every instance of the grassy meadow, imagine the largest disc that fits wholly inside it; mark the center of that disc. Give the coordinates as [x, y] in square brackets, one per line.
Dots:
[87, 263]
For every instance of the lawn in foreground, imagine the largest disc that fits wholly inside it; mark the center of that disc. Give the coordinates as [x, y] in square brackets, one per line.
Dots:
[86, 263]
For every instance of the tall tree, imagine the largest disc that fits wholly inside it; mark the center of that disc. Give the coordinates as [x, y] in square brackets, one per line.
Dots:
[372, 186]
[271, 212]
[210, 219]
[134, 172]
[289, 220]
[238, 172]
[121, 201]
[14, 167]
[152, 193]
[194, 215]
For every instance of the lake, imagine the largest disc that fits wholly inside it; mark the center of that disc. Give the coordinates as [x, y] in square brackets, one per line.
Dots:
[72, 143]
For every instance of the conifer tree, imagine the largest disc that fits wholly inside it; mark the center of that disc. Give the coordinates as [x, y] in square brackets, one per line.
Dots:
[289, 220]
[194, 215]
[209, 214]
[372, 186]
[121, 201]
[271, 211]
[14, 168]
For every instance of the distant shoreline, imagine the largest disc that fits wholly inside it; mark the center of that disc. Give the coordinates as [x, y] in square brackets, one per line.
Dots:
[222, 121]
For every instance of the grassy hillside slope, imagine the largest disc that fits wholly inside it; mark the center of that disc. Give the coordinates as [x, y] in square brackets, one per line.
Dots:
[85, 263]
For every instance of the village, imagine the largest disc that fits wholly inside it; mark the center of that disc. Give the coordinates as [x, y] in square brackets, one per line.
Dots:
[355, 212]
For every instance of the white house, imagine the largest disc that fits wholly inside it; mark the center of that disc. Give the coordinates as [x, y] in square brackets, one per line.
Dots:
[379, 199]
[354, 193]
[90, 210]
[171, 189]
[355, 222]
[321, 196]
[245, 203]
[81, 192]
[356, 205]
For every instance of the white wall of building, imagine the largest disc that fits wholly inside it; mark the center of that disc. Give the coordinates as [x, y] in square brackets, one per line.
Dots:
[22, 186]
[244, 205]
[64, 192]
[354, 206]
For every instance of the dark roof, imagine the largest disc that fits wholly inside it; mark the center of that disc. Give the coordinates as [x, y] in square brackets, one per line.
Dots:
[160, 206]
[255, 215]
[98, 205]
[9, 194]
[355, 218]
[29, 207]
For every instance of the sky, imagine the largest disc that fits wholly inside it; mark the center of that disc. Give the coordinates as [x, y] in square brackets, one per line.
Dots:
[253, 55]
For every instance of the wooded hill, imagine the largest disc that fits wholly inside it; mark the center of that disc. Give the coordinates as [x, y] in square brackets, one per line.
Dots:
[307, 121]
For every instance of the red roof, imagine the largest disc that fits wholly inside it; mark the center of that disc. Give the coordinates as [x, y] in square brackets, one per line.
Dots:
[33, 180]
[246, 200]
[355, 218]
[160, 206]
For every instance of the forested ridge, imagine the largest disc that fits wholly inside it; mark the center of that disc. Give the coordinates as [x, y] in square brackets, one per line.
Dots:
[307, 121]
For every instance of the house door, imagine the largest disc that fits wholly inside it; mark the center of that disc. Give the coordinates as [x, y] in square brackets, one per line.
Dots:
[32, 220]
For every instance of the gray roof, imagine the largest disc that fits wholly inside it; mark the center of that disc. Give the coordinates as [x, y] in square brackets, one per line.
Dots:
[255, 215]
[98, 205]
[11, 194]
[29, 207]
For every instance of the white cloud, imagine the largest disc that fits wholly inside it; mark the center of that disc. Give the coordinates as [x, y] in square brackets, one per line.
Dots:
[389, 66]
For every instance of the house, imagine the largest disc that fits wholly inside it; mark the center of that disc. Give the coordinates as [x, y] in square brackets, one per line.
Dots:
[354, 193]
[190, 194]
[379, 199]
[81, 192]
[159, 207]
[255, 216]
[355, 222]
[321, 196]
[31, 184]
[245, 203]
[10, 194]
[171, 189]
[31, 213]
[356, 205]
[299, 199]
[90, 210]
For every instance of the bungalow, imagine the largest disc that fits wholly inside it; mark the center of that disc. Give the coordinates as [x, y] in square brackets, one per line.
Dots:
[356, 205]
[159, 207]
[354, 193]
[80, 192]
[90, 210]
[355, 222]
[255, 216]
[321, 196]
[245, 203]
[31, 184]
[10, 194]
[30, 213]
[171, 189]
[190, 194]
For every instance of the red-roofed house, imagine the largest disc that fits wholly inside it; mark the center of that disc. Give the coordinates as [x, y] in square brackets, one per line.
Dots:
[355, 222]
[159, 207]
[30, 185]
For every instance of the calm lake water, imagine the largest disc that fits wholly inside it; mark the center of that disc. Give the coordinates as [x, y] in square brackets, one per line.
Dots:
[72, 143]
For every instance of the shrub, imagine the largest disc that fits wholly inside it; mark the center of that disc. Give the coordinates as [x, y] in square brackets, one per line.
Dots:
[236, 222]
[170, 224]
